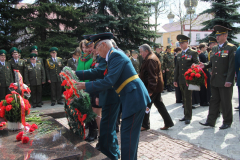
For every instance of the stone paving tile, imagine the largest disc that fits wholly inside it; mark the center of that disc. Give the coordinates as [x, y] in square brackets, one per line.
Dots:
[185, 141]
[154, 145]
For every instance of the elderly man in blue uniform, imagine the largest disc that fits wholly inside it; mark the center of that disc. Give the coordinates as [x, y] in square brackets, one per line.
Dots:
[237, 68]
[109, 100]
[222, 79]
[121, 76]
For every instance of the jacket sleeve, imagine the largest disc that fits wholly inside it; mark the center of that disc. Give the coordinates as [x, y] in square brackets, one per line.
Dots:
[152, 75]
[237, 65]
[47, 70]
[115, 69]
[43, 74]
[26, 75]
[176, 70]
[231, 65]
[92, 74]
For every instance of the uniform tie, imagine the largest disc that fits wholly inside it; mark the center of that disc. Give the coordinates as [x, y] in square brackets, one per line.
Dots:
[183, 53]
[3, 63]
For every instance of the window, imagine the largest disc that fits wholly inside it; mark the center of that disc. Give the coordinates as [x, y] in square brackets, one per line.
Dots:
[205, 35]
[169, 40]
[197, 36]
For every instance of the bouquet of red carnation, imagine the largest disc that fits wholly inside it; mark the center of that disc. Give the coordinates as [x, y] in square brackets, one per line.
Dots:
[195, 77]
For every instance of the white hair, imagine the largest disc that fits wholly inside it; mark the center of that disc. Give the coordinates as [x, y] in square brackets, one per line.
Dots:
[108, 42]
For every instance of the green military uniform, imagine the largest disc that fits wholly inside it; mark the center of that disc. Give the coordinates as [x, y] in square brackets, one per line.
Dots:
[18, 64]
[72, 63]
[6, 77]
[169, 64]
[136, 64]
[53, 68]
[223, 70]
[35, 76]
[184, 62]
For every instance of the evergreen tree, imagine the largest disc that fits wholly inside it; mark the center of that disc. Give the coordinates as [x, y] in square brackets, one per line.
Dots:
[127, 20]
[225, 14]
[50, 24]
[7, 14]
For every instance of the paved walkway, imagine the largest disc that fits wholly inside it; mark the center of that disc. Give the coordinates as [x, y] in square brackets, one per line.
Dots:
[185, 141]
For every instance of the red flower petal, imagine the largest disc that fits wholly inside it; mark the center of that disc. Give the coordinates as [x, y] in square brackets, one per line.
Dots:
[25, 139]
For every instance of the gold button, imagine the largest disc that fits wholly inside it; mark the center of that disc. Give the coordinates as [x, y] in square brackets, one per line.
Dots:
[216, 72]
[182, 64]
[215, 61]
[182, 69]
[119, 95]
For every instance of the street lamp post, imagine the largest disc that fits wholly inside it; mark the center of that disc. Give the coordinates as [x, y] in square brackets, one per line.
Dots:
[190, 5]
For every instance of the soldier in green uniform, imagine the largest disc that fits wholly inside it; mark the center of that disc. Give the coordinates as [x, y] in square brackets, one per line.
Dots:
[6, 76]
[73, 62]
[35, 77]
[54, 65]
[183, 63]
[169, 69]
[212, 42]
[135, 61]
[34, 49]
[127, 52]
[16, 63]
[222, 80]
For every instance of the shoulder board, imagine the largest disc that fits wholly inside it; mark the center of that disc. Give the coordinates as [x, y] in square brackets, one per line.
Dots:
[59, 57]
[165, 53]
[48, 59]
[230, 44]
[38, 63]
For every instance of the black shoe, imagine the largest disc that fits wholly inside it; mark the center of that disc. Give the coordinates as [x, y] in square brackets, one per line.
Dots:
[169, 90]
[98, 146]
[93, 135]
[225, 126]
[52, 104]
[204, 104]
[173, 89]
[59, 102]
[183, 119]
[187, 121]
[206, 124]
[162, 91]
[178, 101]
[86, 139]
[236, 107]
[39, 106]
[41, 103]
[34, 106]
[193, 107]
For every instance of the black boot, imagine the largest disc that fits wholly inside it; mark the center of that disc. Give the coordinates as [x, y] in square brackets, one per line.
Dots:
[93, 135]
[98, 145]
[173, 88]
[169, 89]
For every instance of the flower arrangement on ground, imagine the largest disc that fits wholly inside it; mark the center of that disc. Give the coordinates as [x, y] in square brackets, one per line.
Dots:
[78, 106]
[14, 108]
[195, 76]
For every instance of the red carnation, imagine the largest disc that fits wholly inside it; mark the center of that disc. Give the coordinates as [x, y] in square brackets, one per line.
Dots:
[2, 111]
[34, 126]
[19, 136]
[64, 83]
[198, 75]
[1, 125]
[189, 70]
[8, 108]
[185, 73]
[192, 74]
[190, 78]
[25, 139]
[1, 104]
[31, 130]
[196, 70]
[9, 100]
[7, 96]
[187, 77]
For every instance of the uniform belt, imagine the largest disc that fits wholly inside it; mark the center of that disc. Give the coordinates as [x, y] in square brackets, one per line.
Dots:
[130, 79]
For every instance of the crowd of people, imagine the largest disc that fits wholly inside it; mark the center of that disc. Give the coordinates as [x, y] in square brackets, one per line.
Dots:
[126, 84]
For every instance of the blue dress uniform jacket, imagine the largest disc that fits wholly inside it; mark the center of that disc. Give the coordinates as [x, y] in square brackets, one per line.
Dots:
[106, 97]
[134, 96]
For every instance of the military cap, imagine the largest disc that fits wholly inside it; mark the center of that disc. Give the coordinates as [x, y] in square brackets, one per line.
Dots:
[158, 46]
[13, 50]
[169, 47]
[32, 55]
[3, 52]
[101, 36]
[212, 40]
[33, 48]
[182, 38]
[53, 49]
[87, 37]
[134, 52]
[220, 30]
